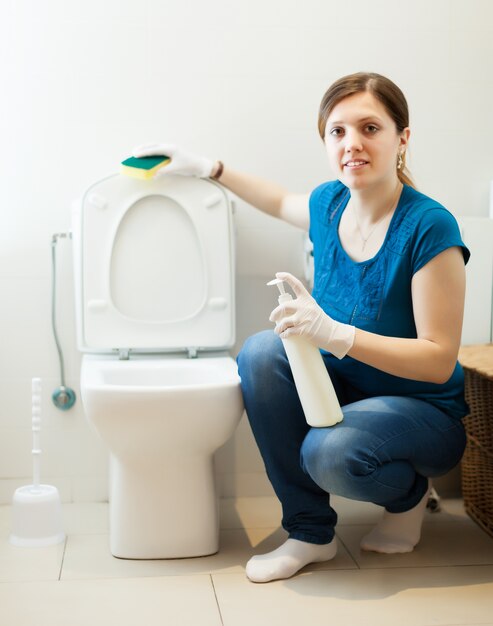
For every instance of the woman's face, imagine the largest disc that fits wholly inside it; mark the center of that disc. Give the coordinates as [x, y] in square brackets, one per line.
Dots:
[362, 142]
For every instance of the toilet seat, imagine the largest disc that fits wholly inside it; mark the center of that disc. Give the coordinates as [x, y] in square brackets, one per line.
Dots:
[130, 237]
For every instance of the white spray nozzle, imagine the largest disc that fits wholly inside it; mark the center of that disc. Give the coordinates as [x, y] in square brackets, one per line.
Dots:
[279, 283]
[285, 296]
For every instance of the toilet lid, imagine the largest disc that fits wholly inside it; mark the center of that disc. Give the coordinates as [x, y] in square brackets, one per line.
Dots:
[154, 265]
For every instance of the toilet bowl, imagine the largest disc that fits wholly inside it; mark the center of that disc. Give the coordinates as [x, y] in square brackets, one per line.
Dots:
[154, 276]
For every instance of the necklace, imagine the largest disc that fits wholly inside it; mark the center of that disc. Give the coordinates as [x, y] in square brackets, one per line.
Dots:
[365, 239]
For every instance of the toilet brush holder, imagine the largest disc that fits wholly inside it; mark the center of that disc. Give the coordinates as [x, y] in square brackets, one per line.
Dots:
[36, 517]
[36, 508]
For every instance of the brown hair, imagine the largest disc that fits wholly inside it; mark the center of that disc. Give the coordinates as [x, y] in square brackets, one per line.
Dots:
[383, 90]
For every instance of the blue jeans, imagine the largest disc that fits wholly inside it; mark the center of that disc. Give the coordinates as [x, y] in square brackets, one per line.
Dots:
[382, 452]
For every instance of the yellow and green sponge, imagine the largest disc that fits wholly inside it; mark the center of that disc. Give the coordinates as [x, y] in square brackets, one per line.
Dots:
[144, 167]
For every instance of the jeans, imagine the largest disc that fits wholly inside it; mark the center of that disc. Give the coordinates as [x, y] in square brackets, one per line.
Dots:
[383, 451]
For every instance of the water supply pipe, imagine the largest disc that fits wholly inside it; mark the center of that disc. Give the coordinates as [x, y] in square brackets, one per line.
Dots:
[63, 397]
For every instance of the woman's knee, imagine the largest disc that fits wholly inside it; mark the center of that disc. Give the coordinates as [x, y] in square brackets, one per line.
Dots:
[266, 379]
[260, 353]
[333, 460]
[319, 456]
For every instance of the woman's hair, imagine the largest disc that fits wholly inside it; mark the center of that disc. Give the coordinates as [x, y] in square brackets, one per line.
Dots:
[383, 90]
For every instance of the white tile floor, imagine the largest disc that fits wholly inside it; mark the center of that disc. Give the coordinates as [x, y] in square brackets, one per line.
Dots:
[447, 580]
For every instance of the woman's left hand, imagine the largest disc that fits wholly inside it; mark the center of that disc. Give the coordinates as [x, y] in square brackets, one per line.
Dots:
[303, 317]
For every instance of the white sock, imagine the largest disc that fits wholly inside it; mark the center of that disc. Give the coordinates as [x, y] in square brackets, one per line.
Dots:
[397, 532]
[288, 559]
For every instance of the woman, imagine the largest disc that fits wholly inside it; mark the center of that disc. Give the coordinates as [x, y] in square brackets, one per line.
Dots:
[386, 312]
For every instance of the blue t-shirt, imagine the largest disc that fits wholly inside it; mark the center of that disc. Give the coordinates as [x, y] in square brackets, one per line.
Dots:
[375, 295]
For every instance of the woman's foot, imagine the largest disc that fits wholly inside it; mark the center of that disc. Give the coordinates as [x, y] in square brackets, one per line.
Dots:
[288, 559]
[397, 532]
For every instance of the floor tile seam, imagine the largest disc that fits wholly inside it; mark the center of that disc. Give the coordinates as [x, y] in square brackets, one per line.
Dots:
[210, 575]
[130, 577]
[63, 557]
[87, 579]
[371, 568]
[393, 568]
[413, 567]
[217, 599]
[485, 561]
[301, 572]
[141, 576]
[35, 581]
[340, 540]
[345, 568]
[356, 567]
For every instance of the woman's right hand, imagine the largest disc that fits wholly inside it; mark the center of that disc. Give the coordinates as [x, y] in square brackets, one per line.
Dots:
[183, 163]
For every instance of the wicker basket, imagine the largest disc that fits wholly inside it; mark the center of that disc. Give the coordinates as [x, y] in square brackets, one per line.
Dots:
[477, 462]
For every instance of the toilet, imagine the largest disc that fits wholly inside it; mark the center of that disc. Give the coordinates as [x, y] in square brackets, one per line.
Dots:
[155, 318]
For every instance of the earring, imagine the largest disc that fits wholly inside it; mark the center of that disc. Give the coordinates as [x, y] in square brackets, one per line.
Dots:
[400, 161]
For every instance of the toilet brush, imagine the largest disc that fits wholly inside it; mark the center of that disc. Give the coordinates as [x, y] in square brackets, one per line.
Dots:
[36, 508]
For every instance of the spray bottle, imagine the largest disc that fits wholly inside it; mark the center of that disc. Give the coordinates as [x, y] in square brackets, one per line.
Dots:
[315, 389]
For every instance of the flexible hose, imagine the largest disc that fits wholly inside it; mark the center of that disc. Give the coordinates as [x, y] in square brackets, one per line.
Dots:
[53, 305]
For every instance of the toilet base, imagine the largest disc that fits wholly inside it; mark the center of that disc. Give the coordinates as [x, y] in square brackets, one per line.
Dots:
[165, 512]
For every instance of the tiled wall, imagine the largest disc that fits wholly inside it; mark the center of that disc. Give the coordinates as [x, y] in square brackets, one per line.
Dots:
[84, 81]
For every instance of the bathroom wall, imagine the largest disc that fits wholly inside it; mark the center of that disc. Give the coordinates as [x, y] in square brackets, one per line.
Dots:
[84, 81]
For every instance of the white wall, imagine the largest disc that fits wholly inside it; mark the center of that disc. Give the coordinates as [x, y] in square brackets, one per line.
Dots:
[85, 80]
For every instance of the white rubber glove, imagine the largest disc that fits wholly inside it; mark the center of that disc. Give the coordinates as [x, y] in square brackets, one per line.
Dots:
[303, 317]
[182, 162]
